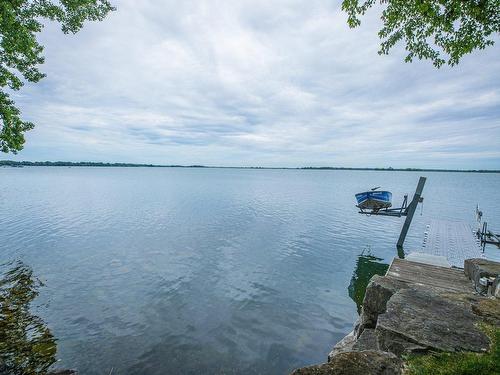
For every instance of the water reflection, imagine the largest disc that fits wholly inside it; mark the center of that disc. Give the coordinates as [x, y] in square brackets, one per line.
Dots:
[27, 347]
[367, 266]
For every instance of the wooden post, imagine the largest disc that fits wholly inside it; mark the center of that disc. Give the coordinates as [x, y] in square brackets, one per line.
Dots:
[410, 211]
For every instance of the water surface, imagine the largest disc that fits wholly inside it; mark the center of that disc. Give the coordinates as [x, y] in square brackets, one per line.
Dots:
[187, 271]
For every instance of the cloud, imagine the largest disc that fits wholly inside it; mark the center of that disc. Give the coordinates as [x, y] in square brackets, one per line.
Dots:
[282, 83]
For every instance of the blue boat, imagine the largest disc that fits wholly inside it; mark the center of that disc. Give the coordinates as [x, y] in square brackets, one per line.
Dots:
[374, 199]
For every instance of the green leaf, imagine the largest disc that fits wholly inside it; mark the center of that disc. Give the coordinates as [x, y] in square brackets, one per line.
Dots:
[21, 54]
[442, 31]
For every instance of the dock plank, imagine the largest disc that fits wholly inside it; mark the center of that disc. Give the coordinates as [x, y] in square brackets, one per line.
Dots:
[451, 279]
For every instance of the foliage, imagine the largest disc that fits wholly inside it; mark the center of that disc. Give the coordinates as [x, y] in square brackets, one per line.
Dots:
[367, 266]
[21, 54]
[27, 347]
[462, 363]
[432, 29]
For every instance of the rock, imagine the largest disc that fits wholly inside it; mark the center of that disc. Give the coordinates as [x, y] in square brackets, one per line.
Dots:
[397, 343]
[379, 291]
[344, 345]
[488, 309]
[366, 341]
[477, 268]
[63, 372]
[418, 320]
[368, 362]
[401, 315]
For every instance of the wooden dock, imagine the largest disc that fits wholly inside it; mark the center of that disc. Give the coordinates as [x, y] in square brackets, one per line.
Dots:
[451, 279]
[453, 240]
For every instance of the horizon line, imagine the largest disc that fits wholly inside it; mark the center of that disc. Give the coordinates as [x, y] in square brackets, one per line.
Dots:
[27, 163]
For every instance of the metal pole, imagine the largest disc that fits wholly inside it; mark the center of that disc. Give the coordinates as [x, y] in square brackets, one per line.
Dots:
[410, 211]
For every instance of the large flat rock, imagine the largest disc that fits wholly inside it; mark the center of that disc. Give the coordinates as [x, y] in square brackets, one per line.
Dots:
[421, 319]
[379, 291]
[344, 345]
[367, 362]
[416, 307]
[403, 274]
[366, 341]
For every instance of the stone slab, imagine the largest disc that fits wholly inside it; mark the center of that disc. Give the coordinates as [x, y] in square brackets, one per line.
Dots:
[420, 320]
[367, 362]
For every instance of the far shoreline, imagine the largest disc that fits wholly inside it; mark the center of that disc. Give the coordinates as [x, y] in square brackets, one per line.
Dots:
[12, 163]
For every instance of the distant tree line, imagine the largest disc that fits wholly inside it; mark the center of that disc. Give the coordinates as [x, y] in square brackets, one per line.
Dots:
[12, 163]
[407, 169]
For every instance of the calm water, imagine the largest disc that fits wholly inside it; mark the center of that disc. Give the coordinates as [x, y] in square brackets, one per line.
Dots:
[187, 271]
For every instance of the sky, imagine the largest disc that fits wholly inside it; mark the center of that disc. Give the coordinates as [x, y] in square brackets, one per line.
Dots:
[255, 83]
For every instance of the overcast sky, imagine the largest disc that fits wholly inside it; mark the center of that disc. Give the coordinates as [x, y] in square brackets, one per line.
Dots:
[255, 83]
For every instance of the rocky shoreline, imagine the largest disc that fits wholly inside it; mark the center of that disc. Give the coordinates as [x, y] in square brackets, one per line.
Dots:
[440, 310]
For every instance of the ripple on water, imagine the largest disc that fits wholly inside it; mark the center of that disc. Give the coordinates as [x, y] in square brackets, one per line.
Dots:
[153, 271]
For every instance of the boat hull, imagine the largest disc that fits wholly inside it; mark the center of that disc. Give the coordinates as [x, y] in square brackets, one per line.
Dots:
[374, 200]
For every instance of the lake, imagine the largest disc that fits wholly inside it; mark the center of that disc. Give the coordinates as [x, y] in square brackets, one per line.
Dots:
[213, 271]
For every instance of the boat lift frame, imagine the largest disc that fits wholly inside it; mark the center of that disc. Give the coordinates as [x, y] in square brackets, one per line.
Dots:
[406, 209]
[487, 237]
